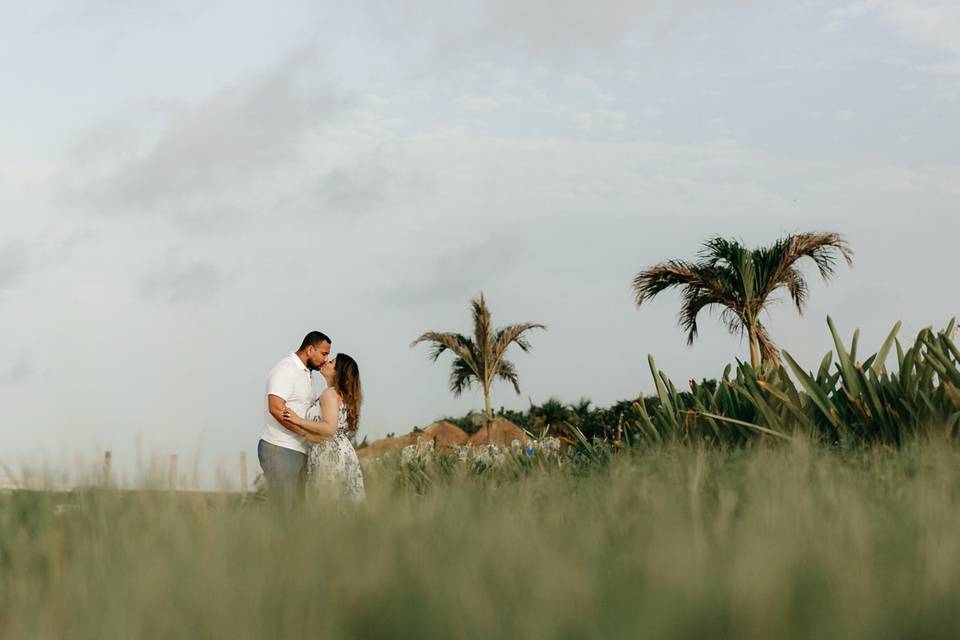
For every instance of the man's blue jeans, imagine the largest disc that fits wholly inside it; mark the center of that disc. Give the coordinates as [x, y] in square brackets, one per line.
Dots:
[284, 470]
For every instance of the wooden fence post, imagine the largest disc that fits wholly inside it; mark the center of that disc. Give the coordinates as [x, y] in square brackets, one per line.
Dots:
[107, 461]
[243, 473]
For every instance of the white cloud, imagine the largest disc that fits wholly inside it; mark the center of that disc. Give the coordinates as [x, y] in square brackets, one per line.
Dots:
[928, 23]
[354, 189]
[541, 29]
[602, 119]
[445, 274]
[846, 116]
[120, 14]
[212, 160]
[13, 263]
[855, 10]
[479, 103]
[951, 68]
[932, 23]
[17, 372]
[174, 282]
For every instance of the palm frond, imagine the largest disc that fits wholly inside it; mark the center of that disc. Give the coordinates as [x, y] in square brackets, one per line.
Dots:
[462, 376]
[657, 279]
[779, 263]
[797, 286]
[719, 251]
[769, 263]
[735, 322]
[508, 372]
[695, 300]
[823, 249]
[455, 342]
[482, 324]
[513, 334]
[779, 260]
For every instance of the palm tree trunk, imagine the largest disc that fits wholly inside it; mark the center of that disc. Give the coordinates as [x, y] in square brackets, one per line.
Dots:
[754, 346]
[487, 408]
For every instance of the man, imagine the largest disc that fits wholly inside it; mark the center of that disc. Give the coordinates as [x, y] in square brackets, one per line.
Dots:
[282, 448]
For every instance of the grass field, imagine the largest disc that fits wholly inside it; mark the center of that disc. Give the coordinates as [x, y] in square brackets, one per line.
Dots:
[770, 542]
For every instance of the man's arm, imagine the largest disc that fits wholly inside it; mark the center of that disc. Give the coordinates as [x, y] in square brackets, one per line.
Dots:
[276, 405]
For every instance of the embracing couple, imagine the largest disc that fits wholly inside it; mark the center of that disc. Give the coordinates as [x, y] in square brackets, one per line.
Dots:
[306, 447]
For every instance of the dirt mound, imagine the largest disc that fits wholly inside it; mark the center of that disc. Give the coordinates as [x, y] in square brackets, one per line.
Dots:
[502, 432]
[379, 447]
[446, 435]
[443, 434]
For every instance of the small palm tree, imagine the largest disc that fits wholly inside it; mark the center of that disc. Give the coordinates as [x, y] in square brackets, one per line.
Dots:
[548, 416]
[742, 281]
[480, 359]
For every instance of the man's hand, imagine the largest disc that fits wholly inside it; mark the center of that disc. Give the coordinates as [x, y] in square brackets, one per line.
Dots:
[291, 417]
[310, 434]
[276, 406]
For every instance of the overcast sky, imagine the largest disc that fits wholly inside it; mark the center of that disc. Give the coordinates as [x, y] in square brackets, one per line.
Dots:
[188, 187]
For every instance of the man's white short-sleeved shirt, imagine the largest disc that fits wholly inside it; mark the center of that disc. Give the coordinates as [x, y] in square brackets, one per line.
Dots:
[291, 380]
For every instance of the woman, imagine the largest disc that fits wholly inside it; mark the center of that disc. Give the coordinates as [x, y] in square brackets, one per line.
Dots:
[333, 470]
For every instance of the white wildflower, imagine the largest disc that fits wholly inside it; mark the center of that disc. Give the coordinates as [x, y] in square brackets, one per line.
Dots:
[425, 450]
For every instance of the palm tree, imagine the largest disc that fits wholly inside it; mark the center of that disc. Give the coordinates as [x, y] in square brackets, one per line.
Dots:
[742, 281]
[480, 359]
[548, 416]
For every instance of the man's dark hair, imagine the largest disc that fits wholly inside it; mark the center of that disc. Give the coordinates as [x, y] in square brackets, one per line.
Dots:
[313, 339]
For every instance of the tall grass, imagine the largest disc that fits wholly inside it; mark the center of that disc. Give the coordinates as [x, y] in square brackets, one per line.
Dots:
[792, 541]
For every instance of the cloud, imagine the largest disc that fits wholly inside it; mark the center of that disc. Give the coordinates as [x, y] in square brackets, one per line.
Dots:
[928, 23]
[210, 161]
[544, 29]
[188, 282]
[452, 274]
[17, 372]
[352, 190]
[854, 10]
[951, 68]
[99, 14]
[932, 23]
[846, 116]
[479, 103]
[13, 263]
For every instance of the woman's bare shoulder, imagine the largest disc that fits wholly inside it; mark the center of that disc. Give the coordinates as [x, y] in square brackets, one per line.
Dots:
[330, 392]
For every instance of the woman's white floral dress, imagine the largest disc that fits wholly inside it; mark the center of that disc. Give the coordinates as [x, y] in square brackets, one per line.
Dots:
[333, 469]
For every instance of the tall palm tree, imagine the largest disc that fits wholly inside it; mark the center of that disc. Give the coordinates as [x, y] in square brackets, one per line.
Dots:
[480, 359]
[742, 282]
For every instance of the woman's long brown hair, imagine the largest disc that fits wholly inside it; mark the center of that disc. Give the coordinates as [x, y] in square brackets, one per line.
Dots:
[347, 383]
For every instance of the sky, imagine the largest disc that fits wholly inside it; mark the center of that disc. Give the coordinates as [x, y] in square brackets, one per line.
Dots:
[188, 187]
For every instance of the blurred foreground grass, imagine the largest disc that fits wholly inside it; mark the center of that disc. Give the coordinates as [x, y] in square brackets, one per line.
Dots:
[787, 542]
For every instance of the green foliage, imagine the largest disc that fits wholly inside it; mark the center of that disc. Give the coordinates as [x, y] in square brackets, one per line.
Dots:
[848, 403]
[845, 402]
